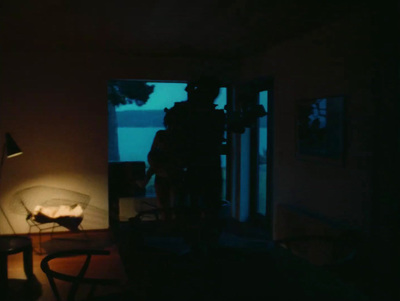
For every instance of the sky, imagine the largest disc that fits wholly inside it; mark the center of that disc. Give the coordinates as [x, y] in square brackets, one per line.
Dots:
[165, 95]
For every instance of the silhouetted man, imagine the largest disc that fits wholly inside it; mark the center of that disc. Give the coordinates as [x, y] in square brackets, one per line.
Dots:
[197, 128]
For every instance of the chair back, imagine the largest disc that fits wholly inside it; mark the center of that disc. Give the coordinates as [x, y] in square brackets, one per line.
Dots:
[75, 280]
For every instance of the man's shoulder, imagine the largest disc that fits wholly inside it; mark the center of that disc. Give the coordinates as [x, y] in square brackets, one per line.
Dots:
[179, 104]
[178, 107]
[161, 132]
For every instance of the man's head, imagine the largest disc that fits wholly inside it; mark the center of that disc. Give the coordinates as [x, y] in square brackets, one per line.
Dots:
[205, 89]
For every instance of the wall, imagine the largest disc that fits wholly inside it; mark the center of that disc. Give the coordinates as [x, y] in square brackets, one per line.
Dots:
[329, 61]
[55, 106]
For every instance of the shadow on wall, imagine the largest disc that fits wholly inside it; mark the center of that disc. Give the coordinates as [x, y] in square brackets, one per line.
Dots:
[26, 200]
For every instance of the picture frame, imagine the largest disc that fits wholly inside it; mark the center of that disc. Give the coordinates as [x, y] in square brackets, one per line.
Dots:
[320, 129]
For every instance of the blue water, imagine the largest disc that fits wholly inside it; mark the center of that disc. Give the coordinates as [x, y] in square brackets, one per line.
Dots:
[135, 143]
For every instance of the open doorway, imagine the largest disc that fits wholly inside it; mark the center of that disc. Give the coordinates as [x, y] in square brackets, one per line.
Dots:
[261, 139]
[133, 123]
[262, 157]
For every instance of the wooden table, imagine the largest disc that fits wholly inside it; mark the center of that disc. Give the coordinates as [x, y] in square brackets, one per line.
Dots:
[11, 245]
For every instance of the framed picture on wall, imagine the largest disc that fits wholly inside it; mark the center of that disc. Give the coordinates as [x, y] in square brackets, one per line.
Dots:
[320, 129]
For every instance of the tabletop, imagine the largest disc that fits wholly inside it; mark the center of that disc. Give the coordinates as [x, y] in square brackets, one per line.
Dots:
[14, 244]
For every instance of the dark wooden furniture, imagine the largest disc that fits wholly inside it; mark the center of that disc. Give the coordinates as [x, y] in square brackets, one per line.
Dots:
[122, 182]
[79, 279]
[12, 245]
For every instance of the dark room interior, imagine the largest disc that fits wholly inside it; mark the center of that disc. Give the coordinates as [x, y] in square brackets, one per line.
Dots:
[310, 208]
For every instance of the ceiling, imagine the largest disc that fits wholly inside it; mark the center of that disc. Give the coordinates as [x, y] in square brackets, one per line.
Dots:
[209, 28]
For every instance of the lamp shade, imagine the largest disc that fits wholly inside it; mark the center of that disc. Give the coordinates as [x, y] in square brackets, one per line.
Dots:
[12, 149]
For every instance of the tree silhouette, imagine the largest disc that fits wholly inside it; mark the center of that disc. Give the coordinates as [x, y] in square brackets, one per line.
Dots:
[122, 92]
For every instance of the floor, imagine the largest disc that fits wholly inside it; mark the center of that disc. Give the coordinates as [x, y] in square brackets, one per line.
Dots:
[244, 266]
[157, 265]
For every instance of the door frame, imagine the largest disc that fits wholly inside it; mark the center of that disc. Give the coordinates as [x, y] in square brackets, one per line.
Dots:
[255, 86]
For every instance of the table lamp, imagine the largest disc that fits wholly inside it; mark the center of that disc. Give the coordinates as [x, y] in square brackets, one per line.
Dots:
[10, 150]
